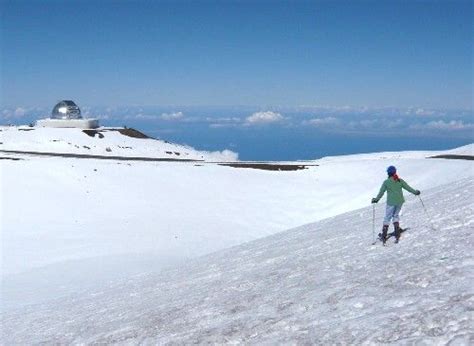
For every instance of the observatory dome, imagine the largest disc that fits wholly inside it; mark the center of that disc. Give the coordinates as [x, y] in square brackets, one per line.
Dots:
[66, 110]
[67, 114]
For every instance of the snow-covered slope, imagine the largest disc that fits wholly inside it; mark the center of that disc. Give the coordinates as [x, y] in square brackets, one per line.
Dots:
[321, 283]
[103, 141]
[68, 224]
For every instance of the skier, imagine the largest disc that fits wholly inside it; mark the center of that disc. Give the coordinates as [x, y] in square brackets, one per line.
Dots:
[393, 185]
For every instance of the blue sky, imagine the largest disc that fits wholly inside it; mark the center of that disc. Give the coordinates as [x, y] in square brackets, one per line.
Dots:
[271, 80]
[266, 53]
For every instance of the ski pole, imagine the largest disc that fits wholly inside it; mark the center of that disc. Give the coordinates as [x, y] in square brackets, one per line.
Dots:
[373, 223]
[427, 214]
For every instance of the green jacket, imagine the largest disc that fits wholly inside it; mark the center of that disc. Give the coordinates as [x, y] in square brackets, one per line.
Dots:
[394, 191]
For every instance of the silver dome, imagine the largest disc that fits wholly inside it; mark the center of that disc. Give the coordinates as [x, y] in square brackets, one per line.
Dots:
[66, 110]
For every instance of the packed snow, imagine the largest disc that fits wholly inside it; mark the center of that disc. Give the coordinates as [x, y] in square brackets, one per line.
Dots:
[78, 236]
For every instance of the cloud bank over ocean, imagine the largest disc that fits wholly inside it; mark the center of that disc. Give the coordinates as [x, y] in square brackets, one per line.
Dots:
[362, 120]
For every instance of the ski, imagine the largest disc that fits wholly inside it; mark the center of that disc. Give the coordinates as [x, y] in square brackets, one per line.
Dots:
[389, 235]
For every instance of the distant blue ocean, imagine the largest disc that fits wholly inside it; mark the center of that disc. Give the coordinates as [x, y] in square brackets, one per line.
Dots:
[290, 144]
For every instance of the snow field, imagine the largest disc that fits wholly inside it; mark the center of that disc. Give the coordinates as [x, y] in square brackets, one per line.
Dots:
[58, 209]
[319, 283]
[112, 248]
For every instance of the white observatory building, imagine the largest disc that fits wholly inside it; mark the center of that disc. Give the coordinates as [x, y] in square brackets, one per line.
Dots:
[67, 114]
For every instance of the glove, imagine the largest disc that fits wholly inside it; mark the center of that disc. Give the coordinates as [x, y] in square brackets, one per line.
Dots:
[417, 192]
[374, 200]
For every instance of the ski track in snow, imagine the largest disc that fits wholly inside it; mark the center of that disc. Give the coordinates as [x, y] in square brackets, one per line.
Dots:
[321, 283]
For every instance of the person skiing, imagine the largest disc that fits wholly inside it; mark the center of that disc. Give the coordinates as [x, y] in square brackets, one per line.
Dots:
[394, 187]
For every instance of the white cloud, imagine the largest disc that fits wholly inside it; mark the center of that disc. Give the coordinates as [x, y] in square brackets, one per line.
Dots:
[222, 156]
[140, 116]
[449, 125]
[6, 114]
[421, 111]
[145, 117]
[368, 123]
[395, 123]
[223, 125]
[321, 122]
[223, 122]
[19, 112]
[264, 118]
[172, 116]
